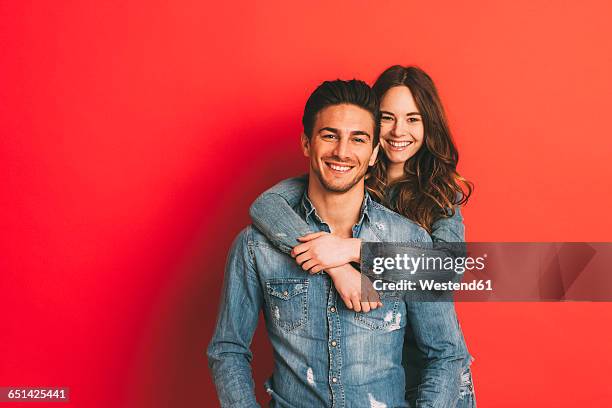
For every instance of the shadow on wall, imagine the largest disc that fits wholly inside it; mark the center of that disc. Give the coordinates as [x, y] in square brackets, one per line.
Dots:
[171, 368]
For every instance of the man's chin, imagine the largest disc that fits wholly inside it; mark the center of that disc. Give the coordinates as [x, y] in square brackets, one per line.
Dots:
[335, 184]
[338, 187]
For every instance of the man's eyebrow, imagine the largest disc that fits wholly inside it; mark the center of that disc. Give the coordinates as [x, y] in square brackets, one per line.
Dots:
[328, 129]
[360, 133]
[353, 133]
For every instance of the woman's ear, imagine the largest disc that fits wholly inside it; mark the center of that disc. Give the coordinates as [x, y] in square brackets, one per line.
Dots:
[374, 155]
[305, 144]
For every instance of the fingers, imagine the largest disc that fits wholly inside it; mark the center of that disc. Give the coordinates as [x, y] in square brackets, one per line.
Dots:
[308, 264]
[372, 300]
[347, 302]
[300, 259]
[373, 297]
[353, 302]
[311, 236]
[316, 269]
[298, 249]
[356, 302]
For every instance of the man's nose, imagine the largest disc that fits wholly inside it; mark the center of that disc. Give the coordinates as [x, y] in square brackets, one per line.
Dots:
[342, 148]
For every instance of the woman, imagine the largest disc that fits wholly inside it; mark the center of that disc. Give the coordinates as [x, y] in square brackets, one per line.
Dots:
[415, 175]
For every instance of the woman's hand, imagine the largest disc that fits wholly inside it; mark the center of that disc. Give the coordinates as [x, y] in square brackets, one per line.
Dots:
[322, 250]
[355, 289]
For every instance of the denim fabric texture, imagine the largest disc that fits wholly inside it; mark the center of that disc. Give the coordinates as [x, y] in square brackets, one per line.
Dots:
[274, 215]
[325, 354]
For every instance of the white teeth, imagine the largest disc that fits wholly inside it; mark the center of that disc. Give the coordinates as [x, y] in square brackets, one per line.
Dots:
[339, 168]
[398, 144]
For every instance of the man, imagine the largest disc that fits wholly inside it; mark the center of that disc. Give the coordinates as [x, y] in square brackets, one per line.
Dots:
[326, 354]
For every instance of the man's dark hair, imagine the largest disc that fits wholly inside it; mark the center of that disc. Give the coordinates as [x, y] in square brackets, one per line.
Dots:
[338, 92]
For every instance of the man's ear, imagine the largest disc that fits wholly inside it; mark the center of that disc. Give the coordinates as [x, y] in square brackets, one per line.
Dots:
[305, 145]
[374, 155]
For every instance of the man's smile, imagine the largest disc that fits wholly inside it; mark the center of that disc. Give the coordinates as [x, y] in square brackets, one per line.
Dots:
[337, 167]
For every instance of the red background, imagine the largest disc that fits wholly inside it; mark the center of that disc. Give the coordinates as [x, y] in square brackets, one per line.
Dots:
[134, 136]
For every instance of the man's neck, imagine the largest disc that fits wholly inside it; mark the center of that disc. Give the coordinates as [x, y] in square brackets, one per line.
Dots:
[339, 210]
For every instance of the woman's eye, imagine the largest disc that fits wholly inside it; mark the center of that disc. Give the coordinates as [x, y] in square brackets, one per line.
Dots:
[413, 119]
[386, 118]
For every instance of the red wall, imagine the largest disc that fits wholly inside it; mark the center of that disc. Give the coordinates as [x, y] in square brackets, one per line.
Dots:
[134, 136]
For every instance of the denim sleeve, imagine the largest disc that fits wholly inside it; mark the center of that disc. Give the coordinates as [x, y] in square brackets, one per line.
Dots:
[449, 229]
[229, 354]
[439, 341]
[273, 214]
[448, 234]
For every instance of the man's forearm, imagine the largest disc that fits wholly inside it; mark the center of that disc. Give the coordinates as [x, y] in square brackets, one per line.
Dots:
[229, 354]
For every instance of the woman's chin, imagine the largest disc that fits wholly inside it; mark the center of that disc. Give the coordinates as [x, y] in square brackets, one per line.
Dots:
[397, 159]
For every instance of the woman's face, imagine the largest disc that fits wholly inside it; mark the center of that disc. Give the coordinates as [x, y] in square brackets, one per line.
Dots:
[401, 125]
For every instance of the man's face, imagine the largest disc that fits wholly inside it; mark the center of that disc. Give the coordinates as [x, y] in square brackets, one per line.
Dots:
[340, 148]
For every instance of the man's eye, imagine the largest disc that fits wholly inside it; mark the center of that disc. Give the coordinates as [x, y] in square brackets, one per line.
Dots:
[329, 136]
[359, 140]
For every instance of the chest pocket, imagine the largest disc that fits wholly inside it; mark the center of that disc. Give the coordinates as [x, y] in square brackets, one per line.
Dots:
[288, 302]
[386, 318]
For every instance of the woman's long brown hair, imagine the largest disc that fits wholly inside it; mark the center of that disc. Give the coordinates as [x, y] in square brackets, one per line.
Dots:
[430, 187]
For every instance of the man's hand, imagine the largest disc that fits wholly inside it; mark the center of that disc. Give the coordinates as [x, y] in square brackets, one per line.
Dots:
[322, 250]
[349, 284]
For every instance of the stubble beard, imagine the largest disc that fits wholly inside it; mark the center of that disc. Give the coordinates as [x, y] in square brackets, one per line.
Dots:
[334, 188]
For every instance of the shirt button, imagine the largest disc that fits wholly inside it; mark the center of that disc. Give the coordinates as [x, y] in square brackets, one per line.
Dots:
[286, 293]
[334, 343]
[334, 380]
[332, 309]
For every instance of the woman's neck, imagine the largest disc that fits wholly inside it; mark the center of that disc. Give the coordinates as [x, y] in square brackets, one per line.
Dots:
[394, 171]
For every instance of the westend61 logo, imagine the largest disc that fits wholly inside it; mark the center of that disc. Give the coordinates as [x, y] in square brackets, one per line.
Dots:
[491, 271]
[411, 264]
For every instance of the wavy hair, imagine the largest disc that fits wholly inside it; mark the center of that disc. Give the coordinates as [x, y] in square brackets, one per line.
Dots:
[431, 187]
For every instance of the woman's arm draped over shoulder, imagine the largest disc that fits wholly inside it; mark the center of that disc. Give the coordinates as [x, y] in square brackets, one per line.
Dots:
[273, 214]
[448, 234]
[449, 229]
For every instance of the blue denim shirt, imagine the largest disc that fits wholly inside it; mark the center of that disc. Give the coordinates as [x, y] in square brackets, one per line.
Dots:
[274, 215]
[326, 354]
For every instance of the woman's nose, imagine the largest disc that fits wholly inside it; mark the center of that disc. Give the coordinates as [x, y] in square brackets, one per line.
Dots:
[399, 129]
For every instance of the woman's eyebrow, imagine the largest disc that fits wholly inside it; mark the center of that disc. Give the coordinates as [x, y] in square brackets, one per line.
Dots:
[408, 114]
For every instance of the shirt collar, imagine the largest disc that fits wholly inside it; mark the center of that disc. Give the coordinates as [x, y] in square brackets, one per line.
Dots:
[310, 210]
